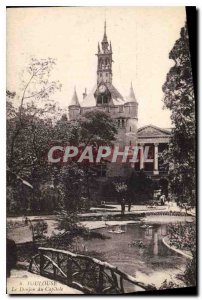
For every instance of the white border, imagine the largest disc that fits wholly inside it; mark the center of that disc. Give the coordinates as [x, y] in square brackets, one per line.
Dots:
[3, 4]
[102, 3]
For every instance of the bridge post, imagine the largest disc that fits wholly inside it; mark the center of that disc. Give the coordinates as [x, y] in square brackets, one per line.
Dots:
[58, 259]
[41, 262]
[100, 279]
[69, 269]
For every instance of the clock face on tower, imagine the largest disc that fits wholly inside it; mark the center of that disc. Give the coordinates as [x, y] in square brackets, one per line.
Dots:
[102, 88]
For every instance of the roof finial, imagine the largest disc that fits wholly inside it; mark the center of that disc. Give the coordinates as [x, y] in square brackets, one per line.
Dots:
[104, 40]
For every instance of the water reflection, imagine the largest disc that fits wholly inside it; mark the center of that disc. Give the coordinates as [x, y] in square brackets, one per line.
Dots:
[152, 261]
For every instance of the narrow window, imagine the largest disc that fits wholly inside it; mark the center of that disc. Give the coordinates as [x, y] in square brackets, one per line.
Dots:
[120, 108]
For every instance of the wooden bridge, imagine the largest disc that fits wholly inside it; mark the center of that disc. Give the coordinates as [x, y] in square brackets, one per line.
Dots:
[84, 273]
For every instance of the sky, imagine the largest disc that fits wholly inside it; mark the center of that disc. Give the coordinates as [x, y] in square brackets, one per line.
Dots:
[141, 38]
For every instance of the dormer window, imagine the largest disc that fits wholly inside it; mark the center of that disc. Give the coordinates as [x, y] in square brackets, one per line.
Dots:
[102, 99]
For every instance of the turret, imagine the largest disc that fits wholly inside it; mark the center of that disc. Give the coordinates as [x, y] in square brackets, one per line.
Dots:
[74, 107]
[110, 47]
[98, 47]
[131, 104]
[131, 112]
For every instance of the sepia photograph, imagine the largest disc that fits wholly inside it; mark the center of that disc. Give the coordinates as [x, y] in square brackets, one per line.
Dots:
[101, 150]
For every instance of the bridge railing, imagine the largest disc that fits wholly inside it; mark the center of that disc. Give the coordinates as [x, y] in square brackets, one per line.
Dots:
[85, 273]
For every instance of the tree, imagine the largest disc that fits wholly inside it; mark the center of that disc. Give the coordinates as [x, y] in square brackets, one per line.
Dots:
[77, 180]
[139, 185]
[30, 123]
[98, 128]
[35, 102]
[179, 98]
[32, 128]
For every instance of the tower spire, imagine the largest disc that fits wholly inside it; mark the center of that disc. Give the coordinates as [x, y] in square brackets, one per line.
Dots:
[105, 43]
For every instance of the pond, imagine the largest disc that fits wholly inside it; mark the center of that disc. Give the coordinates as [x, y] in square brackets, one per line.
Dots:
[151, 262]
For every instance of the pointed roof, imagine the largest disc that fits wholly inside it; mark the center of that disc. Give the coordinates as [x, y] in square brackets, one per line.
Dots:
[104, 40]
[105, 34]
[75, 100]
[131, 97]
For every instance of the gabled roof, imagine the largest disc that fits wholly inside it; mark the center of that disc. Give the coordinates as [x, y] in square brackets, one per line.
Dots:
[89, 100]
[117, 98]
[151, 130]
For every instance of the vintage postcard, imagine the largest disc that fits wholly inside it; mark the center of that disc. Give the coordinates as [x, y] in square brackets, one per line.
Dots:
[101, 179]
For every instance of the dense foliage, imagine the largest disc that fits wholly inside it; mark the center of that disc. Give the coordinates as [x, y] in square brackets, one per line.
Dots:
[179, 98]
[35, 123]
[183, 236]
